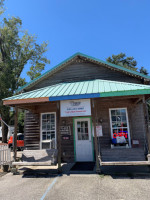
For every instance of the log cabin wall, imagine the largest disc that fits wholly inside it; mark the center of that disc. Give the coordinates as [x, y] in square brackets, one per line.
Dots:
[32, 124]
[67, 146]
[32, 131]
[85, 71]
[138, 123]
[135, 116]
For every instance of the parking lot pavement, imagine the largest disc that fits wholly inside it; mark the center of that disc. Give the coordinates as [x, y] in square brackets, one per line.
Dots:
[95, 187]
[16, 187]
[74, 187]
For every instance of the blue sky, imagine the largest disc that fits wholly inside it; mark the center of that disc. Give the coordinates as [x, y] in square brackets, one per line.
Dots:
[98, 28]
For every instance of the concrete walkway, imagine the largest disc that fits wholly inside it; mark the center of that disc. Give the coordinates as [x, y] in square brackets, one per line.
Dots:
[74, 187]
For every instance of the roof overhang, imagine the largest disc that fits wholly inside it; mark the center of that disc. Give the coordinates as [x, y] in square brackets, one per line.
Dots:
[79, 90]
[25, 101]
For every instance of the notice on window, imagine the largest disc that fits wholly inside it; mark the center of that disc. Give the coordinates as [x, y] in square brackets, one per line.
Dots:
[73, 108]
[99, 132]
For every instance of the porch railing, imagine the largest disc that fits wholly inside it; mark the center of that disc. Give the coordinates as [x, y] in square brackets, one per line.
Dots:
[5, 154]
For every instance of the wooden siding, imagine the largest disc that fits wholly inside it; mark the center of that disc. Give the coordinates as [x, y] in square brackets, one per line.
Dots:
[32, 131]
[136, 124]
[85, 71]
[135, 117]
[67, 146]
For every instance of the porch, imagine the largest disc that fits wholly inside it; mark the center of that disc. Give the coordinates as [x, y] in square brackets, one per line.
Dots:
[105, 105]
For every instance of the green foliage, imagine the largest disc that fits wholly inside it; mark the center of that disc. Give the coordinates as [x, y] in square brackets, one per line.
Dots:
[123, 61]
[38, 61]
[127, 62]
[17, 48]
[1, 6]
[143, 71]
[21, 115]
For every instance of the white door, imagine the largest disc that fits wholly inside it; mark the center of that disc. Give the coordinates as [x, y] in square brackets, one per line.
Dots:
[83, 139]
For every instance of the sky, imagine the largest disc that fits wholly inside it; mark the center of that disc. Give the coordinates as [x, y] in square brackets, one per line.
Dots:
[98, 28]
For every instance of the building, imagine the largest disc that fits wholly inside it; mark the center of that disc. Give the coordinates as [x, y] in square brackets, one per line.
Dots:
[87, 109]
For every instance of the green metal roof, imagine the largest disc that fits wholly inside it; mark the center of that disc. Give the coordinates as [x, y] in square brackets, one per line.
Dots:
[89, 58]
[85, 89]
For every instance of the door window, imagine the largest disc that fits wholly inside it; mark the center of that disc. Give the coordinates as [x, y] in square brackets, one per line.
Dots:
[82, 130]
[48, 131]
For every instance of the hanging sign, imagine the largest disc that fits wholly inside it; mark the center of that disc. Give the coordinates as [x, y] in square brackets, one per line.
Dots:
[99, 132]
[73, 108]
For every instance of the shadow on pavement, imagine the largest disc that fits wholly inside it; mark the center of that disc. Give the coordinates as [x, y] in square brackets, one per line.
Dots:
[126, 172]
[116, 172]
[38, 173]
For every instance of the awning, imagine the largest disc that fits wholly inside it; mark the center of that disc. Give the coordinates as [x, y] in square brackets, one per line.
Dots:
[79, 90]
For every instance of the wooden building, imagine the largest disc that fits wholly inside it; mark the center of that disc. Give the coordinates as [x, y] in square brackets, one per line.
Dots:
[87, 109]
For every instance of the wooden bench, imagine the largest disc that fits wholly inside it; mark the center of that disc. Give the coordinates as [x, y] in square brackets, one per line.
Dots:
[44, 157]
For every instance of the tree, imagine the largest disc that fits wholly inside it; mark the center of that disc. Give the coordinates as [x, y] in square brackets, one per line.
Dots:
[143, 71]
[17, 48]
[127, 62]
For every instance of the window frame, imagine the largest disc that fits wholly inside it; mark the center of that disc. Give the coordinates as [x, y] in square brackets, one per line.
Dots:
[128, 127]
[41, 114]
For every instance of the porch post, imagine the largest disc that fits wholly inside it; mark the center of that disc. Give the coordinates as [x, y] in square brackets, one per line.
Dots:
[15, 134]
[95, 136]
[146, 118]
[58, 137]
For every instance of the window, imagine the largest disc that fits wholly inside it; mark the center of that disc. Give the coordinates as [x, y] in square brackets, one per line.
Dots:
[20, 137]
[119, 126]
[82, 130]
[48, 131]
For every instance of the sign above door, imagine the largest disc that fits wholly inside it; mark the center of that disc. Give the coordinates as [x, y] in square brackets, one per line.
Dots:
[71, 108]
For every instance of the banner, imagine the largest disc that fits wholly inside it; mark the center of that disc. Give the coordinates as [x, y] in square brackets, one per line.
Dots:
[71, 108]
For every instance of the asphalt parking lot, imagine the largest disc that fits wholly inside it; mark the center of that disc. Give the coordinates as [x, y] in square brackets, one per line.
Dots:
[74, 187]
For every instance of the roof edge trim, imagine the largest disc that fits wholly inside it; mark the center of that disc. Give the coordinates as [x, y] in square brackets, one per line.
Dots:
[71, 97]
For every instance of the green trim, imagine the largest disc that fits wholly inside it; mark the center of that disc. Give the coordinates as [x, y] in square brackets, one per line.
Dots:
[89, 57]
[75, 136]
[125, 93]
[81, 117]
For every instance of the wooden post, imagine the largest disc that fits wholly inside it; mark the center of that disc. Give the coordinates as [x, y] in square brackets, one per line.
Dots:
[15, 134]
[95, 136]
[3, 131]
[146, 118]
[58, 137]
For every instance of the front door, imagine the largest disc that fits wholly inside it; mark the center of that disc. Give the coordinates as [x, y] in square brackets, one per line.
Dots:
[83, 139]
